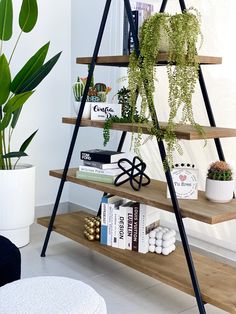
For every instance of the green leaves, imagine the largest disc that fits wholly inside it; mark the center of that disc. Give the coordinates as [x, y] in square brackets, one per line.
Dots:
[5, 79]
[21, 152]
[28, 70]
[16, 102]
[27, 142]
[6, 19]
[28, 15]
[39, 75]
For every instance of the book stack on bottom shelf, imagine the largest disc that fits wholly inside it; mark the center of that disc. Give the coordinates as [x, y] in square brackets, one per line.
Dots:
[126, 224]
[100, 165]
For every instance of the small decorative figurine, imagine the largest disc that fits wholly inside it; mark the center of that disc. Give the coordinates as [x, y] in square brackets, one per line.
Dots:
[134, 174]
[92, 228]
[162, 240]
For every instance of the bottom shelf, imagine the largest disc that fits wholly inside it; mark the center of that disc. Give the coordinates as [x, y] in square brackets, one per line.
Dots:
[217, 280]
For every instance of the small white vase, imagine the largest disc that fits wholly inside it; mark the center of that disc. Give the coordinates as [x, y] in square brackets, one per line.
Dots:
[87, 109]
[17, 203]
[219, 191]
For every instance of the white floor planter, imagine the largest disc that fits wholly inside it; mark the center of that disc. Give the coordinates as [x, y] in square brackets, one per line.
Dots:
[219, 191]
[17, 202]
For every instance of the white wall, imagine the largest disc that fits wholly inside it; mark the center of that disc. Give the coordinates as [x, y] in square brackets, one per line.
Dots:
[86, 17]
[51, 100]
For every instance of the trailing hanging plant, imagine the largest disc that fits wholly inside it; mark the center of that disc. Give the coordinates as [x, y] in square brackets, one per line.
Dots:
[129, 114]
[182, 32]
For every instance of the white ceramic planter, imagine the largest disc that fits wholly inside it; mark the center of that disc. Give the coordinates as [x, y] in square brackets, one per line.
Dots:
[87, 109]
[219, 191]
[17, 201]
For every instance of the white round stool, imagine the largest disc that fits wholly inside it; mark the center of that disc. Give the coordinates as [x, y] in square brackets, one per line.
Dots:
[50, 295]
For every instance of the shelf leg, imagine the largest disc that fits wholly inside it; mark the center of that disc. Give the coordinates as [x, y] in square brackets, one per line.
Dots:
[174, 199]
[77, 125]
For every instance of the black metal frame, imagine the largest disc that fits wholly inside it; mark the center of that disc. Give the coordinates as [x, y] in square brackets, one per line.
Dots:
[161, 146]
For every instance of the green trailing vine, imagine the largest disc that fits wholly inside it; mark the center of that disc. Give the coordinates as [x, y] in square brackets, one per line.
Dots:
[182, 32]
[129, 114]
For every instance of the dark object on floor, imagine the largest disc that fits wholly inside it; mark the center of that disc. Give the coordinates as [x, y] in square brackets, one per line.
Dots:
[134, 174]
[10, 261]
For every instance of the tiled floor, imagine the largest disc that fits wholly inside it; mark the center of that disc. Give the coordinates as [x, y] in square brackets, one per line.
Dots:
[125, 290]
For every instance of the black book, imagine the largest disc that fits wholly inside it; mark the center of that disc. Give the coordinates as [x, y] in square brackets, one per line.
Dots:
[104, 156]
[135, 233]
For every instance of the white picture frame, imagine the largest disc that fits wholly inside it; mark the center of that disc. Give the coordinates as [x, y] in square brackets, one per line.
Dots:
[185, 180]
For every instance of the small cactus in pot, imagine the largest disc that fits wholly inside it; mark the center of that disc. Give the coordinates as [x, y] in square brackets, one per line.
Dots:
[219, 182]
[78, 89]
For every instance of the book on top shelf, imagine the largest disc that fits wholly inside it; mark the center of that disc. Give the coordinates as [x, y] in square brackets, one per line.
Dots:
[111, 172]
[98, 177]
[100, 165]
[103, 156]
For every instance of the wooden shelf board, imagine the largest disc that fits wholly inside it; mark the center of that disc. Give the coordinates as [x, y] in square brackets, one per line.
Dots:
[217, 280]
[123, 61]
[185, 132]
[155, 195]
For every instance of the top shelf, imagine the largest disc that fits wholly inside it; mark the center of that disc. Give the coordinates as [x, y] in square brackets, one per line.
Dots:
[123, 61]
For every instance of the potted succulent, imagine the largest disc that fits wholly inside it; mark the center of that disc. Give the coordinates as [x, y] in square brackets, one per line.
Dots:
[97, 96]
[219, 182]
[17, 181]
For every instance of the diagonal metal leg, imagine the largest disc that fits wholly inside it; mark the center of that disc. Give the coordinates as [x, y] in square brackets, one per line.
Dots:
[174, 200]
[77, 125]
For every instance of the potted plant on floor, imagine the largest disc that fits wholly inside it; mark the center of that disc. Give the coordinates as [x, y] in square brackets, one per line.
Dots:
[219, 182]
[17, 181]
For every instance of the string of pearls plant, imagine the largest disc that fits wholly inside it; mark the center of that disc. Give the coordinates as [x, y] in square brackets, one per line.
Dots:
[182, 32]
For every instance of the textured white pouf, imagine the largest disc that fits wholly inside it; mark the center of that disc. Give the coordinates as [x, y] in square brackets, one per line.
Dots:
[51, 295]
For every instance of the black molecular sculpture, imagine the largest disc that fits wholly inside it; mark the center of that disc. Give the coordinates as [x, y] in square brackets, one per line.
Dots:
[134, 174]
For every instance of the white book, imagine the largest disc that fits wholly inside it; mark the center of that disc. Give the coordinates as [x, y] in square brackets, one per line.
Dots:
[100, 165]
[129, 228]
[111, 207]
[115, 234]
[105, 216]
[149, 219]
[89, 169]
[122, 225]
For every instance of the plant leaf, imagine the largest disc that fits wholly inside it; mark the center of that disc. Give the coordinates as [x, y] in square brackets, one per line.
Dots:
[31, 66]
[5, 121]
[40, 74]
[6, 19]
[28, 15]
[27, 141]
[5, 79]
[14, 155]
[16, 102]
[16, 115]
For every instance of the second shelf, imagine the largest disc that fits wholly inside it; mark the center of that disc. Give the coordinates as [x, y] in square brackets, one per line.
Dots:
[185, 132]
[155, 195]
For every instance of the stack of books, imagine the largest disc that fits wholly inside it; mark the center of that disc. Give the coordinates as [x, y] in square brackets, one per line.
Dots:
[100, 165]
[126, 224]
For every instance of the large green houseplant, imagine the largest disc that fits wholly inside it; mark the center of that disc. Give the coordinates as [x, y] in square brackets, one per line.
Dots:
[14, 92]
